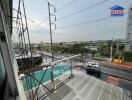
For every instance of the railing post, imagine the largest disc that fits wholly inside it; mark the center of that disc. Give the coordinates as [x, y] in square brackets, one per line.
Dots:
[71, 68]
[52, 78]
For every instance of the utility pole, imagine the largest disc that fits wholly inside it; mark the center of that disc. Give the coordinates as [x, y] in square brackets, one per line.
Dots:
[99, 49]
[117, 48]
[111, 51]
[50, 26]
[41, 45]
[51, 39]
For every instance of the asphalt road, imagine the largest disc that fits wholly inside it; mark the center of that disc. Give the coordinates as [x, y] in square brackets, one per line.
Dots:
[117, 77]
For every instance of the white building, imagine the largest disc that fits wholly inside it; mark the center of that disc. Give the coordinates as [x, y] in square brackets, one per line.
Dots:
[128, 46]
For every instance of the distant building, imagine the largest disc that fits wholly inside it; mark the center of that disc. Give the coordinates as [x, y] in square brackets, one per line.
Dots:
[128, 46]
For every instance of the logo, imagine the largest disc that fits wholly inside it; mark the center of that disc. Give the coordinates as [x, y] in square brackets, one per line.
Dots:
[117, 10]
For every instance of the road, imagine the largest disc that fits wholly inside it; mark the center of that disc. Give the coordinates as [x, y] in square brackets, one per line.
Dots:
[117, 77]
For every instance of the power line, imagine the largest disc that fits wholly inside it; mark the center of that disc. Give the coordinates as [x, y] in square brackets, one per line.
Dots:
[82, 10]
[59, 9]
[29, 19]
[86, 22]
[66, 5]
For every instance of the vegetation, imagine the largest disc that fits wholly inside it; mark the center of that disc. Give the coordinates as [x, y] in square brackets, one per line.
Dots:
[83, 48]
[106, 49]
[72, 49]
[127, 56]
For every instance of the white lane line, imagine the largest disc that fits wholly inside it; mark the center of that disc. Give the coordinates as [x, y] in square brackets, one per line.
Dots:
[93, 88]
[110, 92]
[101, 91]
[86, 85]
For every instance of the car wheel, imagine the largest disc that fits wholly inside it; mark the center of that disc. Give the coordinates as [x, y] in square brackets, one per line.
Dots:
[99, 74]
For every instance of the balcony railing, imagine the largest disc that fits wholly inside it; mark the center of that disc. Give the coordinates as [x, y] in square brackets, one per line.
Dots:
[48, 77]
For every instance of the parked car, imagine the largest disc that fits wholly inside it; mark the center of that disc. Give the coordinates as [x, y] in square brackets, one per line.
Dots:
[93, 68]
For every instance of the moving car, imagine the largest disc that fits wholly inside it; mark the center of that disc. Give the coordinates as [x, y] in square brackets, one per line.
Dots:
[93, 68]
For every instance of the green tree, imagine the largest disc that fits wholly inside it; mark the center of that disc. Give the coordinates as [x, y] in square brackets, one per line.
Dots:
[127, 56]
[39, 47]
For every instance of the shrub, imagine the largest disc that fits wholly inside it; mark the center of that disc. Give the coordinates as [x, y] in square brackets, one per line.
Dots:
[128, 56]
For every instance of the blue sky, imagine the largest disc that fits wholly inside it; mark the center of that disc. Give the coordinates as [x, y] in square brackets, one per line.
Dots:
[114, 27]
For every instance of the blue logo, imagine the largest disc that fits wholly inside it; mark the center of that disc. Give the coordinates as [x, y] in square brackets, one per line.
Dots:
[117, 11]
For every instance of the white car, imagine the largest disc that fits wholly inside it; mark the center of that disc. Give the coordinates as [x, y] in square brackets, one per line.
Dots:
[93, 63]
[94, 68]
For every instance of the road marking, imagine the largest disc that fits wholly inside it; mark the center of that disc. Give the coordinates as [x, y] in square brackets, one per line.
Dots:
[101, 91]
[122, 72]
[93, 88]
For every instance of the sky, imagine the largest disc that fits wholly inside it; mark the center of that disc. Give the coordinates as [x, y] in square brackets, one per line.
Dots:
[37, 12]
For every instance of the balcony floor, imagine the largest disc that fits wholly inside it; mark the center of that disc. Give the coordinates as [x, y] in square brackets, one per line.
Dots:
[85, 87]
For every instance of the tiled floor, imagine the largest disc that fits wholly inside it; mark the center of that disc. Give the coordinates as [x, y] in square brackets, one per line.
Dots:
[84, 87]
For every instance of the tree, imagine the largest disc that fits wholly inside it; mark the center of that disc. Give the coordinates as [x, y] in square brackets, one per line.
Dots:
[39, 47]
[106, 49]
[93, 52]
[121, 47]
[127, 56]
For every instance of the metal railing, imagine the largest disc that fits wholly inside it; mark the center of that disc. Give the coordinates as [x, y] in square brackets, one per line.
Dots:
[47, 79]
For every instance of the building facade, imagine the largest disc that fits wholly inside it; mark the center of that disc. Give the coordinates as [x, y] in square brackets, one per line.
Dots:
[128, 46]
[9, 81]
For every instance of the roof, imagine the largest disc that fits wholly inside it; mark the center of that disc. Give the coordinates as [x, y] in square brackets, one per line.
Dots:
[116, 7]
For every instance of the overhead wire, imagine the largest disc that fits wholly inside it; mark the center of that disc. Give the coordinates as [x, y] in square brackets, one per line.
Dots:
[59, 9]
[66, 5]
[82, 10]
[72, 14]
[39, 24]
[86, 22]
